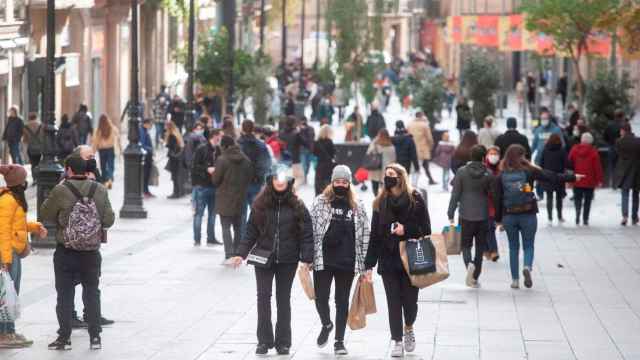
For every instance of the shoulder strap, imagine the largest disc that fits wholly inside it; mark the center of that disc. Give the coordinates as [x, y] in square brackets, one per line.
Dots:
[73, 189]
[92, 190]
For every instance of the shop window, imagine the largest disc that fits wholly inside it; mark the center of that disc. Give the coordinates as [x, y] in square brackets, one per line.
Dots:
[19, 10]
[3, 10]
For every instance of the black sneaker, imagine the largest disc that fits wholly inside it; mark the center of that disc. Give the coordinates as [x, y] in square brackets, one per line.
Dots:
[283, 350]
[95, 343]
[528, 283]
[61, 344]
[106, 322]
[323, 338]
[196, 243]
[77, 323]
[262, 349]
[339, 349]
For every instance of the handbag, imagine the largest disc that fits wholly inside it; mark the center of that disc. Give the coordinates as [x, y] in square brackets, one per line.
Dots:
[154, 176]
[453, 240]
[420, 256]
[442, 264]
[260, 258]
[373, 160]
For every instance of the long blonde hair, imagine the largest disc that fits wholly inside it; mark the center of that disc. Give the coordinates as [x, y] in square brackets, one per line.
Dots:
[403, 183]
[105, 127]
[172, 129]
[325, 132]
[329, 195]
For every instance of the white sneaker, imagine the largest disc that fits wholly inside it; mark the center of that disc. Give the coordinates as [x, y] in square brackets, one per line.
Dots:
[470, 270]
[515, 284]
[409, 340]
[476, 284]
[398, 350]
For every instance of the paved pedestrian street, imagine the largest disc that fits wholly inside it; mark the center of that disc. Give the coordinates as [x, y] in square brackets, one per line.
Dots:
[173, 301]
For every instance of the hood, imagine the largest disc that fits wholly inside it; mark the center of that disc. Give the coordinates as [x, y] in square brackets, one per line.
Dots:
[476, 169]
[234, 153]
[583, 150]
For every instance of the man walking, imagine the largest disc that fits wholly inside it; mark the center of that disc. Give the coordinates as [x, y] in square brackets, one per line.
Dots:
[204, 193]
[232, 176]
[160, 107]
[375, 122]
[512, 136]
[81, 209]
[13, 135]
[34, 140]
[147, 145]
[82, 121]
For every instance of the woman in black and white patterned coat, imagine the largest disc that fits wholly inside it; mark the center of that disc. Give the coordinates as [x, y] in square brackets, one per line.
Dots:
[341, 240]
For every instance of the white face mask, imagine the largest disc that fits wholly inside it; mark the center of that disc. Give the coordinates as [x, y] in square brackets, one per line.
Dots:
[576, 133]
[544, 123]
[493, 159]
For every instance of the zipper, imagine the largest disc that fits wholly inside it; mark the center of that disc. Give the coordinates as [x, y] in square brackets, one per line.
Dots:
[278, 232]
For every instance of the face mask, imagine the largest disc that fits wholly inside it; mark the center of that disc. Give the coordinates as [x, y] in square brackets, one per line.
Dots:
[493, 159]
[341, 191]
[544, 123]
[199, 132]
[92, 166]
[576, 133]
[390, 182]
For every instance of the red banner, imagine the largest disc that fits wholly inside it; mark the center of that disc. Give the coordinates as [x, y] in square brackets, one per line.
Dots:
[545, 44]
[599, 44]
[487, 31]
[456, 30]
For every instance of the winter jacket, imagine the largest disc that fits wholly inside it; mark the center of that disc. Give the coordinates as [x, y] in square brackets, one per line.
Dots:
[232, 177]
[627, 172]
[289, 247]
[494, 171]
[307, 136]
[421, 132]
[586, 161]
[464, 116]
[324, 150]
[487, 137]
[540, 136]
[67, 139]
[444, 154]
[82, 123]
[511, 137]
[531, 175]
[406, 154]
[33, 136]
[13, 130]
[14, 227]
[612, 133]
[175, 157]
[192, 141]
[383, 246]
[58, 205]
[274, 143]
[472, 188]
[375, 122]
[145, 141]
[554, 159]
[293, 144]
[204, 158]
[321, 214]
[388, 157]
[256, 151]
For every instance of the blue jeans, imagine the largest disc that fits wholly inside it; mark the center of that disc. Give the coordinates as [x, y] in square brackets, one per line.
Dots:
[306, 158]
[252, 191]
[107, 160]
[445, 179]
[16, 155]
[515, 226]
[204, 197]
[492, 242]
[16, 273]
[159, 132]
[635, 197]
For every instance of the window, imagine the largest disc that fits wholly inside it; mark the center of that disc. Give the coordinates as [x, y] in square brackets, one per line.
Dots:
[3, 10]
[19, 10]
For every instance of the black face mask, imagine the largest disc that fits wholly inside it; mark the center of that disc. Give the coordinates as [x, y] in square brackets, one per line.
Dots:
[92, 166]
[390, 182]
[341, 191]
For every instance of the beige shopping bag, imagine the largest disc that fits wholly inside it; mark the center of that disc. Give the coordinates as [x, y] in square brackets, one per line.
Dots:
[442, 264]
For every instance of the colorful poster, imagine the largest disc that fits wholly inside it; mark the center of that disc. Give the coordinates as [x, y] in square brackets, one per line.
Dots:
[448, 31]
[469, 29]
[510, 33]
[545, 45]
[599, 44]
[487, 31]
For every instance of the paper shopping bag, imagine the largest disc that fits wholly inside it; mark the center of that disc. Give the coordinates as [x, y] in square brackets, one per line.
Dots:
[307, 284]
[442, 264]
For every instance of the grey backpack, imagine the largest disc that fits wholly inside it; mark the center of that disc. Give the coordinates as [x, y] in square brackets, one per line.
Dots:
[84, 230]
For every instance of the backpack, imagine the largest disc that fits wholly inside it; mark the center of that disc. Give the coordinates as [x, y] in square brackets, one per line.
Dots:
[35, 141]
[255, 154]
[518, 193]
[83, 232]
[67, 141]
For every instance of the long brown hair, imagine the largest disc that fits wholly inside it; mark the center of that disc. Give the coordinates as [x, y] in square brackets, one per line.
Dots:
[469, 140]
[515, 159]
[329, 195]
[383, 138]
[104, 127]
[266, 201]
[172, 129]
[403, 183]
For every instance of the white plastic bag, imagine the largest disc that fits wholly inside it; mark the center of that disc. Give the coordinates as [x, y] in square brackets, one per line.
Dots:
[9, 304]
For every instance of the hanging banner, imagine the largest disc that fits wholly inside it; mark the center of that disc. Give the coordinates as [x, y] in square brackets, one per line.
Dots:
[456, 29]
[487, 31]
[469, 29]
[599, 44]
[545, 45]
[448, 31]
[510, 33]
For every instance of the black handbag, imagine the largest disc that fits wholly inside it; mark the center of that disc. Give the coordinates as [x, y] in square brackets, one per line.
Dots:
[372, 161]
[421, 254]
[260, 258]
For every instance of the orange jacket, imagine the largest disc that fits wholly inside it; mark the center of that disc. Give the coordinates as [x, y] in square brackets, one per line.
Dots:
[13, 227]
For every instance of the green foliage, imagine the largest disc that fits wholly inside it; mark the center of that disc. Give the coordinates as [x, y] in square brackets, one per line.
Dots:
[408, 86]
[606, 93]
[378, 33]
[177, 8]
[482, 81]
[431, 95]
[324, 75]
[256, 86]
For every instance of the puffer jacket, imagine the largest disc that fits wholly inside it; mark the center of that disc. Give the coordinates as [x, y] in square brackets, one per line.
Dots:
[321, 214]
[278, 232]
[586, 160]
[14, 227]
[406, 154]
[472, 188]
[231, 179]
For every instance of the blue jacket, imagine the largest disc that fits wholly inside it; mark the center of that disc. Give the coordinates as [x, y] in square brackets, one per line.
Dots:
[258, 153]
[540, 136]
[145, 140]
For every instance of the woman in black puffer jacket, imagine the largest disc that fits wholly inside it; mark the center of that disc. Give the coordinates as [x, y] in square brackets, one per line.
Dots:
[279, 224]
[406, 154]
[554, 159]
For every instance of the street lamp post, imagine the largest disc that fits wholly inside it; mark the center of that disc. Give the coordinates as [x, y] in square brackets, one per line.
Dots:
[49, 171]
[134, 153]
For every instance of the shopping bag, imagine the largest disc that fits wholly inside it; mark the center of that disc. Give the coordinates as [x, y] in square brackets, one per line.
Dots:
[453, 239]
[307, 284]
[442, 263]
[9, 304]
[154, 176]
[420, 256]
[368, 297]
[357, 318]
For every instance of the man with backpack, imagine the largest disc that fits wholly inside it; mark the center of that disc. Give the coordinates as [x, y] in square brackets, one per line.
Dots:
[81, 210]
[258, 154]
[33, 137]
[83, 123]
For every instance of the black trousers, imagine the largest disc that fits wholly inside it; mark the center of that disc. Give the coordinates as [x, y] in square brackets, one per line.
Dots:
[284, 275]
[34, 160]
[375, 186]
[559, 198]
[425, 165]
[70, 265]
[474, 233]
[230, 241]
[146, 171]
[402, 297]
[582, 198]
[322, 284]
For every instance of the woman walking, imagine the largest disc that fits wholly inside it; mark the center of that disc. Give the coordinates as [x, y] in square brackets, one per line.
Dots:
[105, 140]
[585, 159]
[381, 145]
[67, 138]
[462, 155]
[14, 245]
[279, 229]
[464, 116]
[443, 156]
[324, 150]
[492, 162]
[341, 241]
[399, 213]
[554, 159]
[175, 164]
[627, 174]
[517, 207]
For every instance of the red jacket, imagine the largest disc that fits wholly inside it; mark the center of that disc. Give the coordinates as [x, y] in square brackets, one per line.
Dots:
[586, 161]
[275, 145]
[495, 172]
